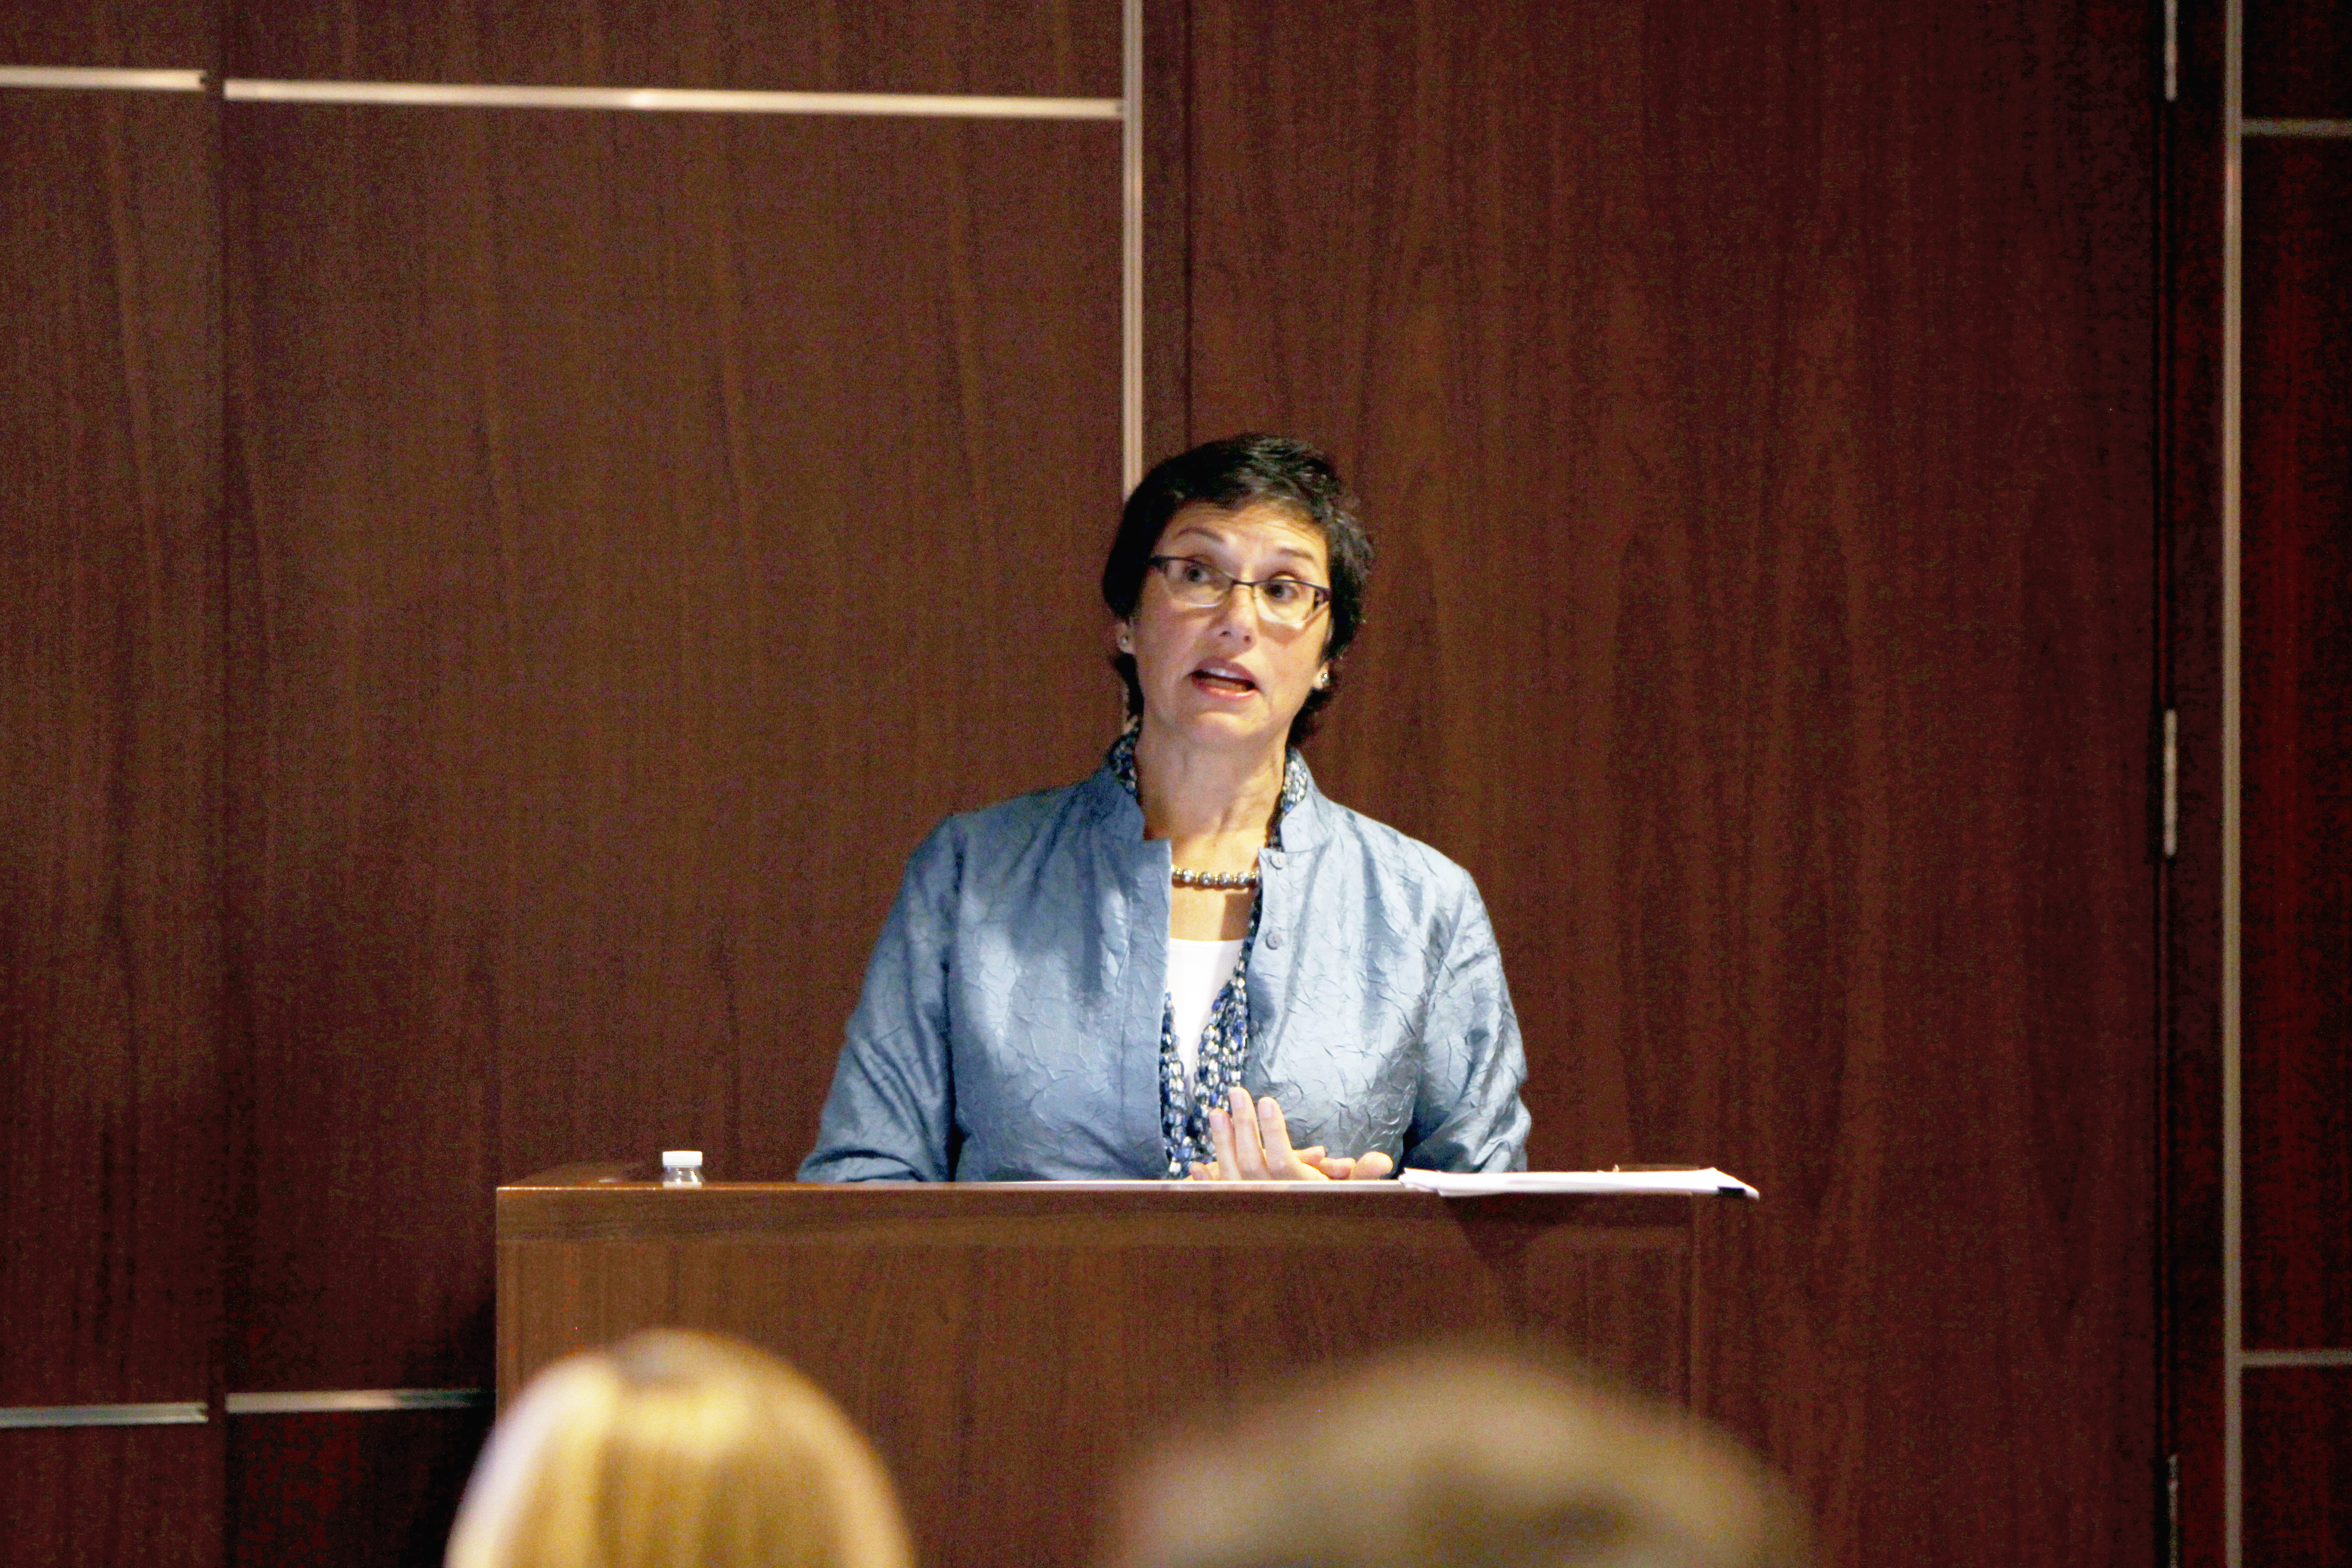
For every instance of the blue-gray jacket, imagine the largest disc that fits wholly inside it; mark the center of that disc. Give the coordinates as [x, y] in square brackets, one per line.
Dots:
[1010, 1024]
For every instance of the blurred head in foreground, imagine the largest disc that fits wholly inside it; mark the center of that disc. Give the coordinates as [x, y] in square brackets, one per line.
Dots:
[677, 1450]
[1460, 1459]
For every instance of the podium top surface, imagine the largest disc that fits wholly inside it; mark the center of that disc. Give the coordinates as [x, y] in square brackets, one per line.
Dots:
[587, 1204]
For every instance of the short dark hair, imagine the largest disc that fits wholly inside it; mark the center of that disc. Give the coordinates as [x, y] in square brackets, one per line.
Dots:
[1245, 470]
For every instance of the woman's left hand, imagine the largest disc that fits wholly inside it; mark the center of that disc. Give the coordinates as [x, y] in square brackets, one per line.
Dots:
[1254, 1145]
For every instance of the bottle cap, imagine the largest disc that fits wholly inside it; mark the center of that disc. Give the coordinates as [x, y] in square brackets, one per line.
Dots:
[682, 1159]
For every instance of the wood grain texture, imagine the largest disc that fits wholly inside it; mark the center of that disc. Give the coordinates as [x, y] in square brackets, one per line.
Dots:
[642, 529]
[2298, 1466]
[120, 1496]
[1005, 1347]
[1054, 49]
[130, 35]
[357, 1489]
[2298, 59]
[111, 777]
[1754, 409]
[2297, 766]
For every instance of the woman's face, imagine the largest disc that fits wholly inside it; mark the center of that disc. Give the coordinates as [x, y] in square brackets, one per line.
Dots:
[1226, 677]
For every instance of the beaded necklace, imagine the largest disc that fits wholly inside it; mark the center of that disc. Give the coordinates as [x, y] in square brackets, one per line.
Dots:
[1225, 1040]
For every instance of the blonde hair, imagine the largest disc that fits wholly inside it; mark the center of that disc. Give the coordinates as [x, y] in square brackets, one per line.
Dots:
[675, 1450]
[1473, 1458]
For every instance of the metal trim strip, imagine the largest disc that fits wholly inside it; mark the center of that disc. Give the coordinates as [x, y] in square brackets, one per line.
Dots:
[315, 1401]
[86, 76]
[2172, 51]
[2294, 1358]
[174, 1413]
[2294, 127]
[668, 99]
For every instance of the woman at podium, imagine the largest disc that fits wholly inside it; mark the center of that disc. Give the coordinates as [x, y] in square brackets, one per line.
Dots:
[1192, 963]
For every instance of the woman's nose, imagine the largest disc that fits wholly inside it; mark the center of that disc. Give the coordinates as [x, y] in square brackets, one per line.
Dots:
[1239, 613]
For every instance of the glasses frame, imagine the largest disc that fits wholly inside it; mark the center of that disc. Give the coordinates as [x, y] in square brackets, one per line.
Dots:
[1322, 594]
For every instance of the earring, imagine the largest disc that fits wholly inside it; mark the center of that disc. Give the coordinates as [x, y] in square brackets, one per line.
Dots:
[1126, 644]
[1322, 678]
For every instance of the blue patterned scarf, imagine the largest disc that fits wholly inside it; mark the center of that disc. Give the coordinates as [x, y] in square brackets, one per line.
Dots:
[1224, 1041]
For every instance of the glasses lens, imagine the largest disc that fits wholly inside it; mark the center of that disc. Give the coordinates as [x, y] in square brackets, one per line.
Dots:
[1195, 583]
[1288, 602]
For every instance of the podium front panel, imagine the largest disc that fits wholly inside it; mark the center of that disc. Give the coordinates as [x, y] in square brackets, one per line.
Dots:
[1007, 1346]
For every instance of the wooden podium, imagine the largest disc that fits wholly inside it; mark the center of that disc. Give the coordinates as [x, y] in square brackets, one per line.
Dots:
[1005, 1345]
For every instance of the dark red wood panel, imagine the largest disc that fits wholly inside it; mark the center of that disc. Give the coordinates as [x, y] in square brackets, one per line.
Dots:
[358, 1489]
[2298, 1466]
[1054, 48]
[1754, 410]
[643, 529]
[111, 775]
[131, 35]
[2298, 59]
[2297, 694]
[111, 1497]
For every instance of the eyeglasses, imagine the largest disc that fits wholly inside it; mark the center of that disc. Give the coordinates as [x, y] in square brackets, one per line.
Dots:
[1197, 585]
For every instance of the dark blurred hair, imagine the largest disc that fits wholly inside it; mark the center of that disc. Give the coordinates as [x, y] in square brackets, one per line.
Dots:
[1241, 472]
[1475, 1457]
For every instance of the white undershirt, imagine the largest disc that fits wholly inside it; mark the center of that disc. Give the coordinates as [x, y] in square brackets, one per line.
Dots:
[1197, 971]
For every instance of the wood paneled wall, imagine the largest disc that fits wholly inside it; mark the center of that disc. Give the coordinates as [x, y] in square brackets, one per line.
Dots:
[121, 1497]
[634, 532]
[2294, 494]
[123, 35]
[2298, 59]
[2298, 744]
[1753, 409]
[642, 531]
[110, 687]
[2297, 779]
[2298, 1466]
[637, 531]
[1047, 48]
[335, 1489]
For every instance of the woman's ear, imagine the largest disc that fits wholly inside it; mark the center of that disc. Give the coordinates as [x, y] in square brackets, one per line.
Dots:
[1125, 636]
[1323, 676]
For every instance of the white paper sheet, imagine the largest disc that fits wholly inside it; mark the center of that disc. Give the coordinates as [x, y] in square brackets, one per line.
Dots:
[1452, 1184]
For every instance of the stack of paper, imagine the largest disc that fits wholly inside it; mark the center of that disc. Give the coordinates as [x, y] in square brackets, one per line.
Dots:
[1449, 1183]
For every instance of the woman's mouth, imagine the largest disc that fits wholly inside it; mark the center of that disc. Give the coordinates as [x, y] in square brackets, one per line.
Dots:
[1222, 680]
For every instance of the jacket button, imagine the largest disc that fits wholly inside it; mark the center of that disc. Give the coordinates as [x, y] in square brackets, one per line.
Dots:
[1274, 941]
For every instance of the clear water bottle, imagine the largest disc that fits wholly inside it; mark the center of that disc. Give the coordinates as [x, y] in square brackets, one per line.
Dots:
[681, 1167]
